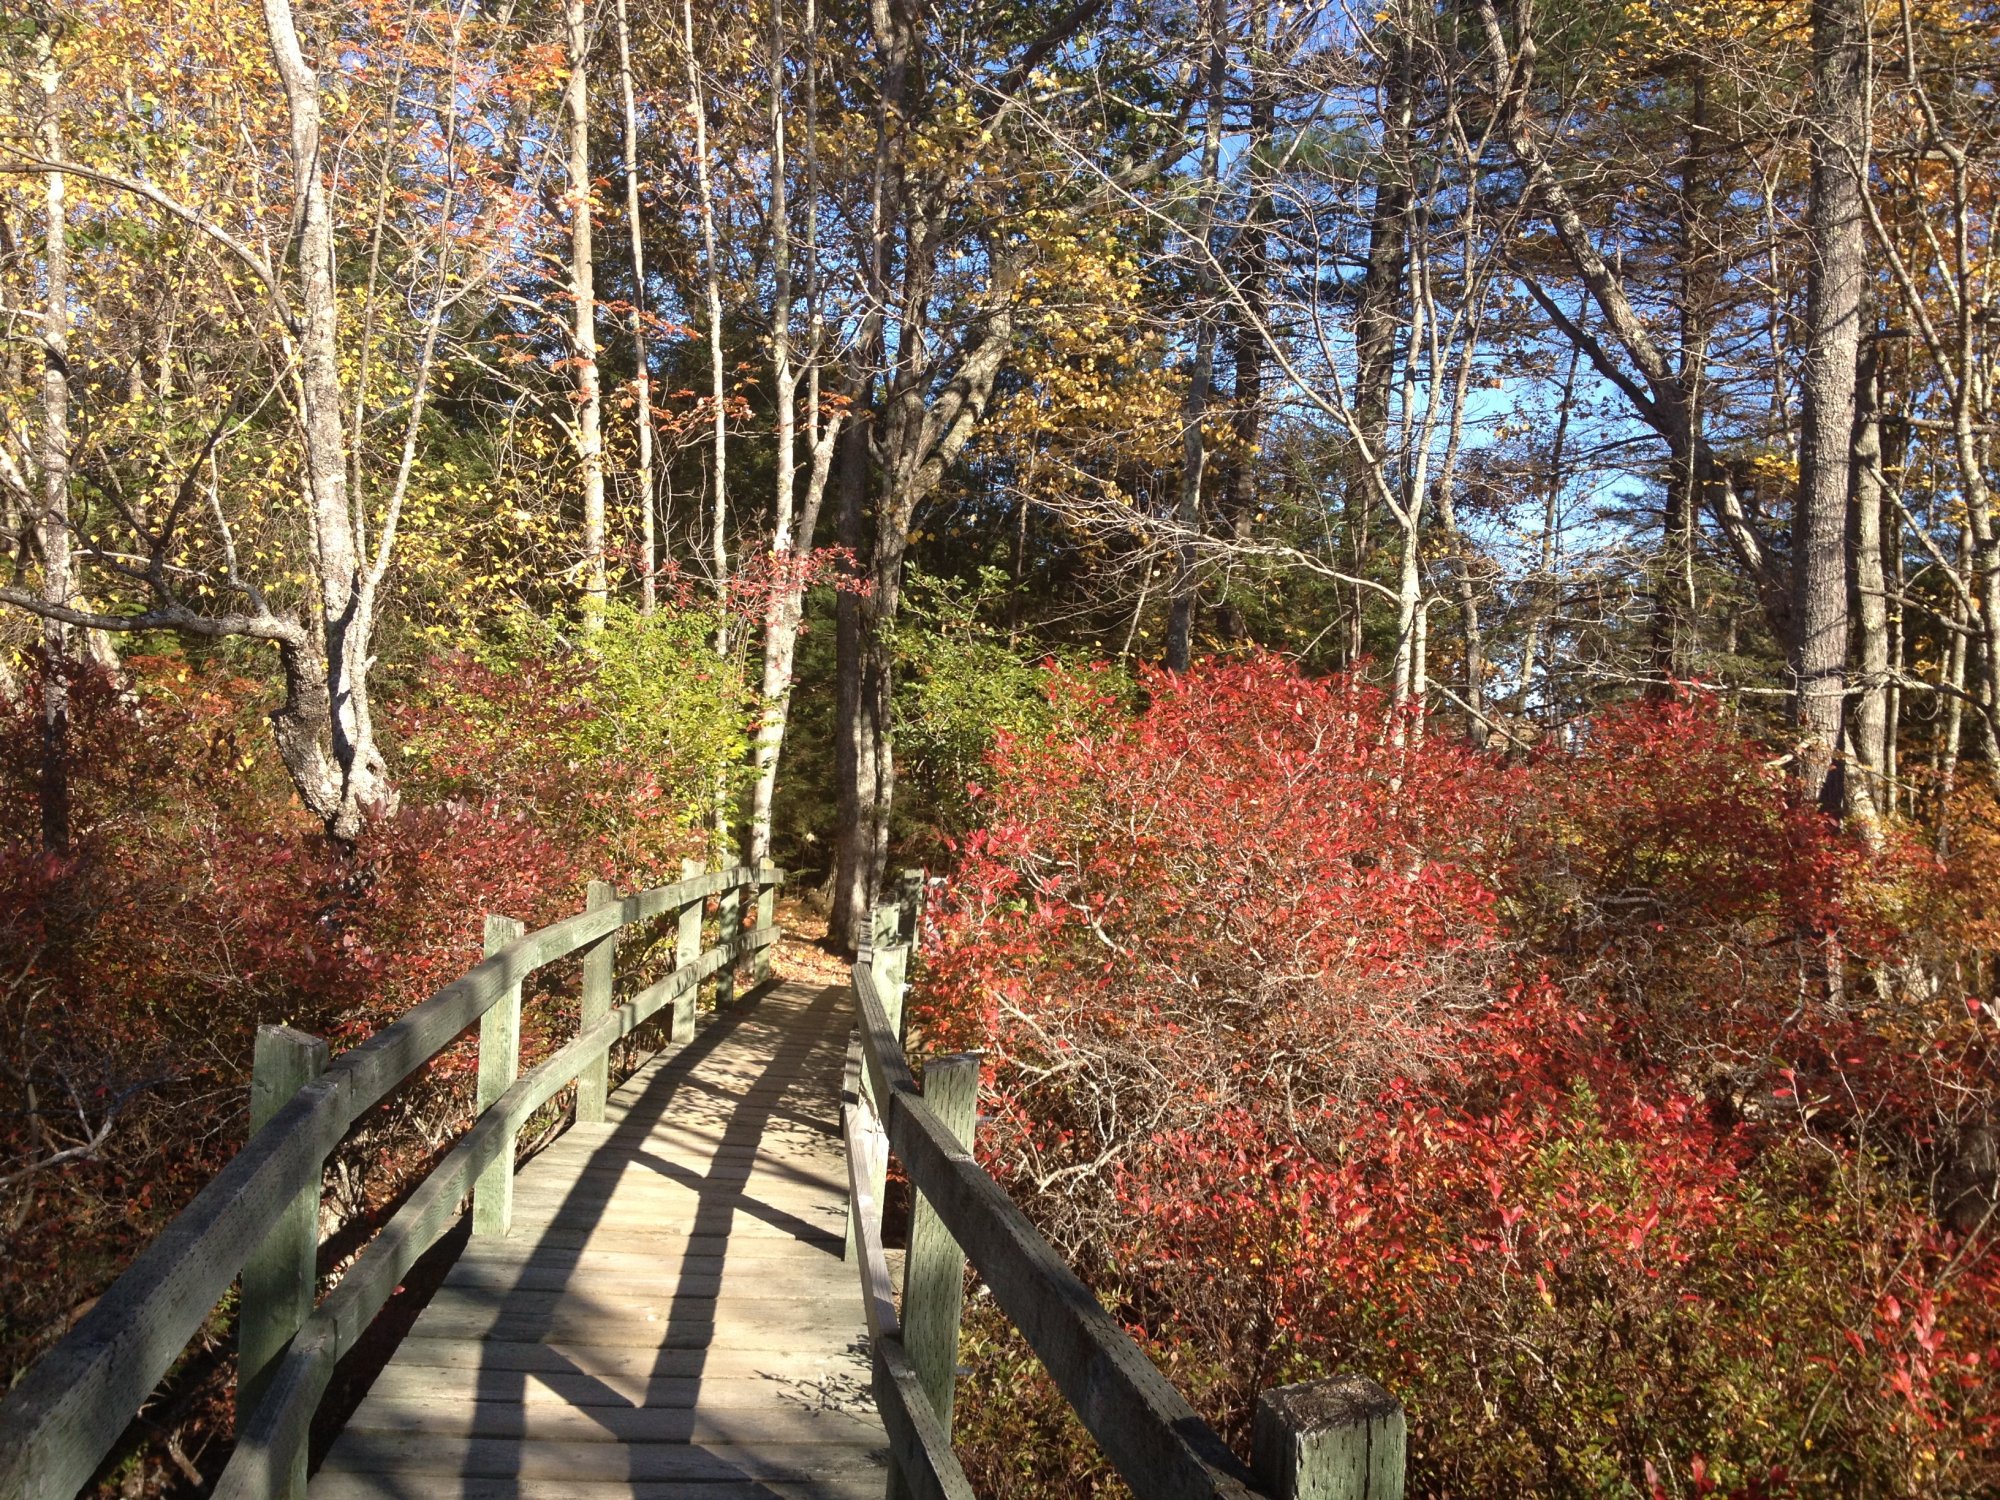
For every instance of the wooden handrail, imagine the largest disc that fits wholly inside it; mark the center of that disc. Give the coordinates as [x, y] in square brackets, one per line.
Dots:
[1341, 1440]
[1154, 1439]
[919, 1442]
[72, 1405]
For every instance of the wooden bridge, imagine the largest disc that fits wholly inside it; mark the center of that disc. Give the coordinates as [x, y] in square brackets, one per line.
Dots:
[686, 1295]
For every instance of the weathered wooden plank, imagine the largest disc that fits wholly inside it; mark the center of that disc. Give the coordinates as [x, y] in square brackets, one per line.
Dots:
[779, 1297]
[768, 1325]
[673, 1192]
[884, 1068]
[886, 965]
[772, 1422]
[736, 1163]
[853, 1484]
[639, 1253]
[595, 1463]
[635, 1237]
[345, 1486]
[727, 1271]
[625, 1366]
[812, 1385]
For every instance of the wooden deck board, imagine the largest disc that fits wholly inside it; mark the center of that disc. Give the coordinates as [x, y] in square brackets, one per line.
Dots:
[670, 1315]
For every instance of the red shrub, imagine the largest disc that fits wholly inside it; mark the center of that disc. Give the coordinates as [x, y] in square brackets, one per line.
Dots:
[1551, 1094]
[198, 901]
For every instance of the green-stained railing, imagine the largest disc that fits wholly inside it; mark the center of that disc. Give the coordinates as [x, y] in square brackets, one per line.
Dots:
[259, 1217]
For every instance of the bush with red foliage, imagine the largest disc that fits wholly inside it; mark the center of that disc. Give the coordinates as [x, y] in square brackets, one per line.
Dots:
[1589, 1102]
[198, 901]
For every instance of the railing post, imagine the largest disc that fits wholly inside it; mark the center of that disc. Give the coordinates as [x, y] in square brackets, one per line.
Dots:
[767, 913]
[282, 1275]
[687, 952]
[888, 963]
[910, 901]
[499, 1063]
[600, 963]
[1339, 1439]
[934, 1272]
[730, 911]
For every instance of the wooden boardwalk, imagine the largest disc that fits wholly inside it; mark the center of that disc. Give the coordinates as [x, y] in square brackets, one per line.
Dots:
[670, 1315]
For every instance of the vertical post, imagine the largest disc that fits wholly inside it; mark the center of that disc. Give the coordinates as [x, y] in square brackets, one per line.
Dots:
[499, 1062]
[687, 942]
[910, 898]
[282, 1274]
[934, 1272]
[1339, 1439]
[730, 909]
[599, 968]
[687, 951]
[767, 914]
[888, 963]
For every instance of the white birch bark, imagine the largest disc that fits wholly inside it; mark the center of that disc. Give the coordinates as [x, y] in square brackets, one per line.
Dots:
[589, 432]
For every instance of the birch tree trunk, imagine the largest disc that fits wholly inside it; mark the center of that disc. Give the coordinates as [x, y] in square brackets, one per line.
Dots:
[324, 731]
[718, 393]
[712, 289]
[583, 290]
[649, 547]
[1867, 783]
[792, 542]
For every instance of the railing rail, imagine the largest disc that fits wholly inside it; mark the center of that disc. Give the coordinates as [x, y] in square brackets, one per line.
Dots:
[1341, 1439]
[71, 1407]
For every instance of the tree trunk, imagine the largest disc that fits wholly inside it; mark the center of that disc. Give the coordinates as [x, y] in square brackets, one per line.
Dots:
[1676, 625]
[1477, 728]
[1377, 317]
[1201, 369]
[854, 741]
[718, 379]
[53, 532]
[1867, 783]
[1408, 668]
[649, 545]
[1836, 228]
[1547, 589]
[324, 730]
[718, 382]
[583, 289]
[791, 545]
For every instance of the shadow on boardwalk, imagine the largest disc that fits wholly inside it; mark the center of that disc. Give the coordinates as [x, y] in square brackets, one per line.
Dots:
[670, 1314]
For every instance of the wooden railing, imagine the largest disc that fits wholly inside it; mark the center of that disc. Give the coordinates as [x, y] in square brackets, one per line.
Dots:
[259, 1217]
[1340, 1439]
